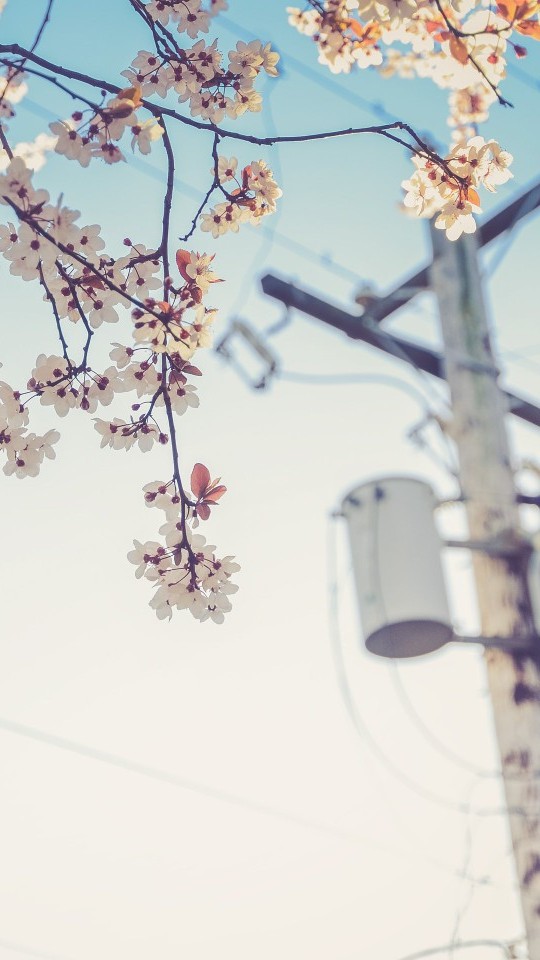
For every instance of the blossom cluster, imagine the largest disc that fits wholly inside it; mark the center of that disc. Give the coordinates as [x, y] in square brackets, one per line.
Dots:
[252, 197]
[182, 566]
[161, 295]
[198, 75]
[457, 46]
[13, 88]
[85, 286]
[462, 47]
[95, 133]
[450, 191]
[24, 451]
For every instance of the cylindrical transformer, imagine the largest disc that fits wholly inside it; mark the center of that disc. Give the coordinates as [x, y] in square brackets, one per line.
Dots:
[396, 553]
[534, 579]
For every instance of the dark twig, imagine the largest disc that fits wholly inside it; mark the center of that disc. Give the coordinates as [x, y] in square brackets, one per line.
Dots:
[43, 24]
[383, 130]
[58, 321]
[213, 186]
[167, 204]
[5, 144]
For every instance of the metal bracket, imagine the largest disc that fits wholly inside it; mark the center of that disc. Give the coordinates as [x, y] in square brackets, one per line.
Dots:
[507, 543]
[509, 644]
[241, 329]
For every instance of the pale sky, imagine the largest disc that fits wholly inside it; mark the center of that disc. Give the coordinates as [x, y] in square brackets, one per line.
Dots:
[259, 822]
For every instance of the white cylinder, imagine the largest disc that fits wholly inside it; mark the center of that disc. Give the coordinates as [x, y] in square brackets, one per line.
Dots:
[534, 580]
[396, 553]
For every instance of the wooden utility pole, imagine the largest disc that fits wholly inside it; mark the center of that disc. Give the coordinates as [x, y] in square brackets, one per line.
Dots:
[478, 429]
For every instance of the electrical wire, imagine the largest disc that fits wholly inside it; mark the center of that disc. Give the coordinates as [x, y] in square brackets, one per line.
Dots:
[428, 734]
[320, 78]
[528, 204]
[524, 77]
[342, 379]
[394, 348]
[504, 945]
[215, 793]
[28, 951]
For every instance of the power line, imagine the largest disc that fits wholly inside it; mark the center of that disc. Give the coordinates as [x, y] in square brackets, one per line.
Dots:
[428, 734]
[219, 795]
[342, 379]
[213, 793]
[373, 107]
[525, 77]
[28, 951]
[503, 945]
[526, 206]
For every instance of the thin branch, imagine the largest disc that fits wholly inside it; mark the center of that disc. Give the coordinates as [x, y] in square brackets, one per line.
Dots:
[58, 321]
[5, 144]
[39, 34]
[56, 83]
[167, 204]
[155, 26]
[213, 186]
[89, 332]
[157, 111]
[43, 24]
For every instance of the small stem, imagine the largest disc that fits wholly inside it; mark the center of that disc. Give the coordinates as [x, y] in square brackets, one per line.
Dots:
[167, 204]
[213, 186]
[61, 336]
[4, 142]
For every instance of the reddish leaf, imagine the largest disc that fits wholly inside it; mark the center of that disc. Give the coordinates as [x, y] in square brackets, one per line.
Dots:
[214, 495]
[203, 511]
[356, 28]
[530, 28]
[130, 93]
[433, 25]
[458, 49]
[200, 478]
[194, 371]
[473, 197]
[182, 258]
[507, 9]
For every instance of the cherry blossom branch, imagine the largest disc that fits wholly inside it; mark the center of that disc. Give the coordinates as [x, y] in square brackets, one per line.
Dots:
[384, 130]
[73, 255]
[164, 389]
[460, 35]
[160, 111]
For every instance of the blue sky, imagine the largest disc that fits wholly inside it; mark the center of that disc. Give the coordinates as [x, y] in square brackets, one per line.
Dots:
[100, 861]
